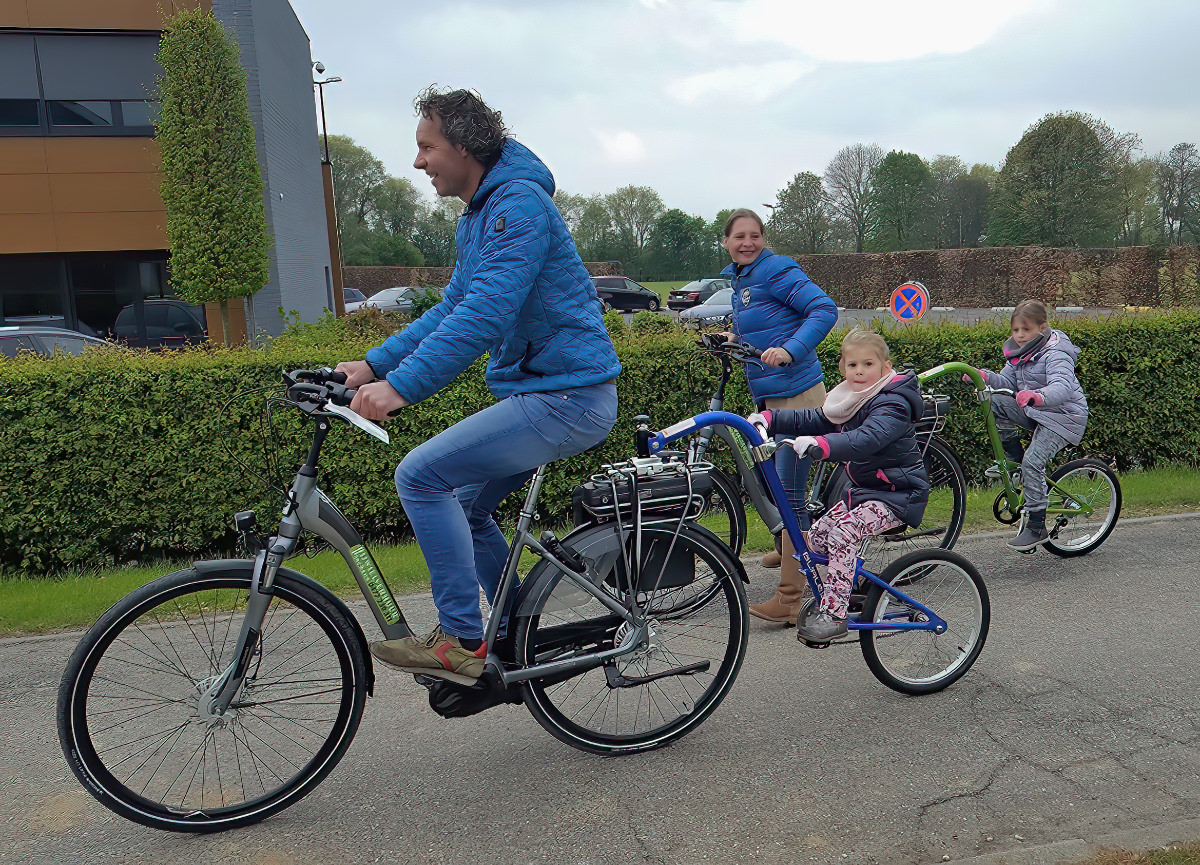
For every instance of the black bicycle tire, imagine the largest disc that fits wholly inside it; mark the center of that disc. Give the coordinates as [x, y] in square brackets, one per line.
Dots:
[1061, 472]
[554, 721]
[894, 572]
[725, 488]
[76, 738]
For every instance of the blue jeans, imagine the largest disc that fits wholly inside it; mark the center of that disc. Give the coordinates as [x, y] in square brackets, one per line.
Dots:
[451, 484]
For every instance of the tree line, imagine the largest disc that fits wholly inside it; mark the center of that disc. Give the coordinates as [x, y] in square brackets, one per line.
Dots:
[1071, 180]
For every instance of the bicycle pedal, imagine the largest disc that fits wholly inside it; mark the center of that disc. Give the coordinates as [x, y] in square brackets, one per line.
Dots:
[813, 645]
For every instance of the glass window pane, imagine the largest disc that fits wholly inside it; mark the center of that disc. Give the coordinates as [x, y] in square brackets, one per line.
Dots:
[10, 345]
[69, 344]
[19, 80]
[19, 112]
[139, 113]
[98, 66]
[81, 113]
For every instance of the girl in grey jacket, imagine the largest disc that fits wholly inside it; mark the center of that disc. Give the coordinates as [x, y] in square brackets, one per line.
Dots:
[1049, 402]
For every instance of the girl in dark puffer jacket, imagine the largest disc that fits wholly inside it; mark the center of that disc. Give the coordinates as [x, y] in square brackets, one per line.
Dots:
[869, 422]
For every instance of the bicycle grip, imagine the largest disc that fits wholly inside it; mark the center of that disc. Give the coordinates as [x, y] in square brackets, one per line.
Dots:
[814, 452]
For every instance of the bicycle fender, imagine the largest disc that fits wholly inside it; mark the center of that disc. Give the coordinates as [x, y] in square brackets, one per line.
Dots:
[246, 566]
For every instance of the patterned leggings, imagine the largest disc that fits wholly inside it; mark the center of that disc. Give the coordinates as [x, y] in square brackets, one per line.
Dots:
[837, 534]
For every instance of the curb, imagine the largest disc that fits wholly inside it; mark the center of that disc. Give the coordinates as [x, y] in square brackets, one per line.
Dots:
[1079, 849]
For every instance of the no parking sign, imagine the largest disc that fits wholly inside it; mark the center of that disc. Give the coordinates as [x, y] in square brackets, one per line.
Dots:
[909, 302]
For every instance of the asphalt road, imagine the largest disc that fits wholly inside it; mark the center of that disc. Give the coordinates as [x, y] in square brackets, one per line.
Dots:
[1080, 719]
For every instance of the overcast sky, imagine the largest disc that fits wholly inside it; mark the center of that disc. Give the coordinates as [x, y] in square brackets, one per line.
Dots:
[719, 103]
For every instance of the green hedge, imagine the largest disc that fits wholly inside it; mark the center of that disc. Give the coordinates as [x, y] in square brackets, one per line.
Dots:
[120, 456]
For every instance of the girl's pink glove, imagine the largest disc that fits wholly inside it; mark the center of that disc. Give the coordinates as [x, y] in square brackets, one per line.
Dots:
[1029, 397]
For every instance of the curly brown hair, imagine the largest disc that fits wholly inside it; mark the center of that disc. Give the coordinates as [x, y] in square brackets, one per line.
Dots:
[466, 119]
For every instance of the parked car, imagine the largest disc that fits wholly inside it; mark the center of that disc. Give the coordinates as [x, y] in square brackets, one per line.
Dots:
[717, 311]
[57, 321]
[397, 299]
[622, 293]
[352, 298]
[695, 293]
[166, 323]
[45, 340]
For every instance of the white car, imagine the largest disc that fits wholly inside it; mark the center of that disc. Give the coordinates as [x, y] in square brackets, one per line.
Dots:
[352, 298]
[718, 309]
[397, 299]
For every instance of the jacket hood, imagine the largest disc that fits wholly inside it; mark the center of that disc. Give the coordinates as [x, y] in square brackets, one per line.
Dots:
[1059, 341]
[907, 387]
[516, 162]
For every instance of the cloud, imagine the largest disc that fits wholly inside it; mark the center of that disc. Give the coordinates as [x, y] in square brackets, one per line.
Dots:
[745, 83]
[621, 146]
[874, 31]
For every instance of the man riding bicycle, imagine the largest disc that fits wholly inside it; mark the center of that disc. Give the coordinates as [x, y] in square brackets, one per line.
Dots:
[520, 293]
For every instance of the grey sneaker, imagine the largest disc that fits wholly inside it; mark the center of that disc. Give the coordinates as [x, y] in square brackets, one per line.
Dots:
[992, 472]
[439, 654]
[822, 628]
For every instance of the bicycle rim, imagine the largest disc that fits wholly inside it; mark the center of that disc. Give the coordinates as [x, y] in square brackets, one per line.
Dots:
[922, 662]
[702, 622]
[130, 711]
[1090, 483]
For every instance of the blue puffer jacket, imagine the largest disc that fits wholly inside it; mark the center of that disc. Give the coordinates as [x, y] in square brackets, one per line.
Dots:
[519, 291]
[776, 304]
[878, 446]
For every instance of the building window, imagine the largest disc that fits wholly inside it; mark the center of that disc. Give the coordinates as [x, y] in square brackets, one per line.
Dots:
[81, 113]
[79, 84]
[19, 112]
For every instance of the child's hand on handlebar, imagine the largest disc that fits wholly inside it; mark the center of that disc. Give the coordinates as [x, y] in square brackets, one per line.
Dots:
[1029, 397]
[801, 444]
[762, 420]
[358, 373]
[377, 401]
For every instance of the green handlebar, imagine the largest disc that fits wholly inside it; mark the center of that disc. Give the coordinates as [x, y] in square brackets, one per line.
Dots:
[953, 366]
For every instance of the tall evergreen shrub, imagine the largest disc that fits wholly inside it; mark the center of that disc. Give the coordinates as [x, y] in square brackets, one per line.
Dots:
[211, 184]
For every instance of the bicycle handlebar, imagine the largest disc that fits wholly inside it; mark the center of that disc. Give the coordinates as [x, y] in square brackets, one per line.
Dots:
[734, 348]
[323, 391]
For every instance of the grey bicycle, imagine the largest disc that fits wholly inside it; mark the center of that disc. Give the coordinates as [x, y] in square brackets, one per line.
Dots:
[222, 693]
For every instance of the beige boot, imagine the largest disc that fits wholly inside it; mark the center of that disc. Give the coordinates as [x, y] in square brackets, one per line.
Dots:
[773, 558]
[789, 597]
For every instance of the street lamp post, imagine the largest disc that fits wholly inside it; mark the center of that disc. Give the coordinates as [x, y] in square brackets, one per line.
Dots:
[320, 68]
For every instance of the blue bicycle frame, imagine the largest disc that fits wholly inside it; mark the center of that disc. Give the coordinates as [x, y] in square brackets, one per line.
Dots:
[763, 451]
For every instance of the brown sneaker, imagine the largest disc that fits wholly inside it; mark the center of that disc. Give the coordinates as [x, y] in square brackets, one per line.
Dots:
[772, 559]
[439, 654]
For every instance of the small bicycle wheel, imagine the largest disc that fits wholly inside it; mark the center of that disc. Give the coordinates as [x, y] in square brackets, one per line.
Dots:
[692, 590]
[1082, 482]
[944, 514]
[132, 717]
[922, 662]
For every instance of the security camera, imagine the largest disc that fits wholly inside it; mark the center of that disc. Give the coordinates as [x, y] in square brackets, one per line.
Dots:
[320, 67]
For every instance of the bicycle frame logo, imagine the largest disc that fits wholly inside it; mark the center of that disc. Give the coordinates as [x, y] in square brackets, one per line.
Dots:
[379, 590]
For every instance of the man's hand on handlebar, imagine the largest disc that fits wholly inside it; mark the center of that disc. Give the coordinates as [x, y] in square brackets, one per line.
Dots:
[377, 400]
[358, 373]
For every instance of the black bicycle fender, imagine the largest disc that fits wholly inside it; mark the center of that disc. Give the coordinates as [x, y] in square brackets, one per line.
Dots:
[246, 566]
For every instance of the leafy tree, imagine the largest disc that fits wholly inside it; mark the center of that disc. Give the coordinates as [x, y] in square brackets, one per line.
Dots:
[633, 211]
[847, 179]
[570, 207]
[395, 207]
[433, 234]
[1177, 179]
[800, 222]
[676, 246]
[1138, 203]
[1058, 185]
[595, 237]
[211, 184]
[900, 202]
[380, 248]
[358, 180]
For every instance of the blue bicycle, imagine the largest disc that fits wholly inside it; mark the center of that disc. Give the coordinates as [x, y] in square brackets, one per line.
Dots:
[922, 621]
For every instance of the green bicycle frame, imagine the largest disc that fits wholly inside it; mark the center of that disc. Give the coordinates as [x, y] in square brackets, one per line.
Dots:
[1013, 496]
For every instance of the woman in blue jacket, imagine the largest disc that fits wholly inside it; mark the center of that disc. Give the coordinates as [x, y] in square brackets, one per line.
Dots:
[780, 311]
[519, 293]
